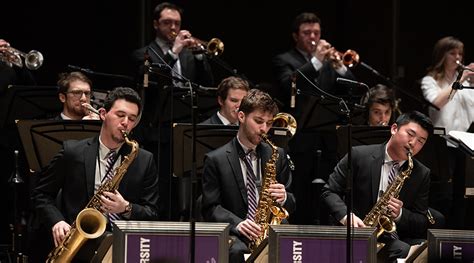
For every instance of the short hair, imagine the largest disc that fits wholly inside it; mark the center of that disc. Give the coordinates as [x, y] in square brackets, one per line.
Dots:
[302, 18]
[165, 5]
[125, 93]
[231, 83]
[416, 117]
[258, 100]
[66, 78]
[380, 94]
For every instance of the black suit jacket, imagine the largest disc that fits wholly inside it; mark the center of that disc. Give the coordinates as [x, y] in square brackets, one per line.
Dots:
[214, 119]
[193, 69]
[72, 171]
[224, 191]
[367, 163]
[286, 64]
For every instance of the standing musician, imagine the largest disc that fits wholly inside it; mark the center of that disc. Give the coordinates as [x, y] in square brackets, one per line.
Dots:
[226, 180]
[318, 61]
[373, 167]
[76, 172]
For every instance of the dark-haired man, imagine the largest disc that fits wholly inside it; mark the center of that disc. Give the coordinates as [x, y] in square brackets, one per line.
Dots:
[374, 167]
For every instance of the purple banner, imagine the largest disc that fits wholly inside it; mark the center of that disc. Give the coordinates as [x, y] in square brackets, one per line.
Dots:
[170, 248]
[456, 251]
[321, 250]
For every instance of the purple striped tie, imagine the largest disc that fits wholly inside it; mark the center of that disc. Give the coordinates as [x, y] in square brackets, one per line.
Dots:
[393, 172]
[111, 157]
[391, 175]
[251, 186]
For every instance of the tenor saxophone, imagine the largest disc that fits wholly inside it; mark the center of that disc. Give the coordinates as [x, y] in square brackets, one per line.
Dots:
[268, 211]
[379, 216]
[91, 222]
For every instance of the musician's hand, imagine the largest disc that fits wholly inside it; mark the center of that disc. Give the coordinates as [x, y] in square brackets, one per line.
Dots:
[355, 221]
[322, 50]
[395, 206]
[113, 202]
[278, 193]
[91, 116]
[3, 45]
[182, 40]
[60, 230]
[249, 229]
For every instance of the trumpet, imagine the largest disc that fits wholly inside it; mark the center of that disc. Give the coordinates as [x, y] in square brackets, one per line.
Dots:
[12, 56]
[213, 47]
[463, 67]
[350, 58]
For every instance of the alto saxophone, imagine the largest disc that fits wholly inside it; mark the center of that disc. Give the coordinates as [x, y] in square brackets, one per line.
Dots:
[268, 211]
[379, 216]
[91, 222]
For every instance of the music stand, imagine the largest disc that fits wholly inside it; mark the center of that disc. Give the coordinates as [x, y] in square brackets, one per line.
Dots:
[208, 138]
[29, 102]
[42, 139]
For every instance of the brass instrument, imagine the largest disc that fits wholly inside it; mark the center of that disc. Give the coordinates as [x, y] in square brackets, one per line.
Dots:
[213, 47]
[463, 67]
[91, 222]
[12, 56]
[430, 217]
[350, 58]
[285, 120]
[268, 211]
[379, 216]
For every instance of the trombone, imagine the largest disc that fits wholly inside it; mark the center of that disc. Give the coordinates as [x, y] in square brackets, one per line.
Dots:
[12, 56]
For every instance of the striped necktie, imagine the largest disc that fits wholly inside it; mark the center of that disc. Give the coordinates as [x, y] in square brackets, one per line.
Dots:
[393, 172]
[251, 185]
[391, 176]
[111, 158]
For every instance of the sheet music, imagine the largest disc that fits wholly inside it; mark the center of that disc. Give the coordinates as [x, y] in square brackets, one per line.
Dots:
[465, 137]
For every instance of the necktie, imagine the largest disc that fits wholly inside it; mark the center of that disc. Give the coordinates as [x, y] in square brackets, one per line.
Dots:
[393, 172]
[391, 175]
[109, 174]
[251, 186]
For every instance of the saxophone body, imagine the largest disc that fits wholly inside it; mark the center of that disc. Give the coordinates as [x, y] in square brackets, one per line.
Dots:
[268, 211]
[91, 222]
[379, 215]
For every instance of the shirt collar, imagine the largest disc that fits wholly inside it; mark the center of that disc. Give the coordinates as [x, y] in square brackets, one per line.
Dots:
[104, 150]
[389, 160]
[224, 120]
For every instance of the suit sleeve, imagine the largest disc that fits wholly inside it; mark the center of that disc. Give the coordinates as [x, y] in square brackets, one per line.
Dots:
[45, 193]
[212, 207]
[146, 207]
[413, 222]
[285, 177]
[334, 189]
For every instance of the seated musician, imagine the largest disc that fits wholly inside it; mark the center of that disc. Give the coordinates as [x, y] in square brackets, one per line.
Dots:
[75, 175]
[234, 172]
[374, 169]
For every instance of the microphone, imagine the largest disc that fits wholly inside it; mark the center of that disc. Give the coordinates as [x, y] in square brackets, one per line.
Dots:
[351, 82]
[145, 73]
[456, 84]
[293, 91]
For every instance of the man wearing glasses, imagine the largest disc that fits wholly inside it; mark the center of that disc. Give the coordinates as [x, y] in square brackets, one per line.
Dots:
[74, 91]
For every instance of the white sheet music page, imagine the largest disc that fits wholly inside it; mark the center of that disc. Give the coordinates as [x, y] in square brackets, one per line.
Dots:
[465, 137]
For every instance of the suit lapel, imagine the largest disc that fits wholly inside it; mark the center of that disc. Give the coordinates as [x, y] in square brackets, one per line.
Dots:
[90, 157]
[375, 171]
[234, 161]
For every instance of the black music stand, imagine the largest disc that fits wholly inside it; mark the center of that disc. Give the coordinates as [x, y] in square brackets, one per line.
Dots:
[42, 139]
[28, 102]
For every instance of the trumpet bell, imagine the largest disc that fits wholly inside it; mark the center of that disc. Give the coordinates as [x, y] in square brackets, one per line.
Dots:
[350, 58]
[33, 60]
[285, 120]
[215, 47]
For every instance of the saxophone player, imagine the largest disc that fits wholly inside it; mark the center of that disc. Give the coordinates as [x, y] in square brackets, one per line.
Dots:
[228, 191]
[373, 166]
[79, 168]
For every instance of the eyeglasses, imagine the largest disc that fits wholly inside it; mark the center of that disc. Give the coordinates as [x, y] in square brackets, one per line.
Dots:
[78, 93]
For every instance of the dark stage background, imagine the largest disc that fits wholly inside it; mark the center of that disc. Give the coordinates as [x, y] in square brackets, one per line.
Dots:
[394, 37]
